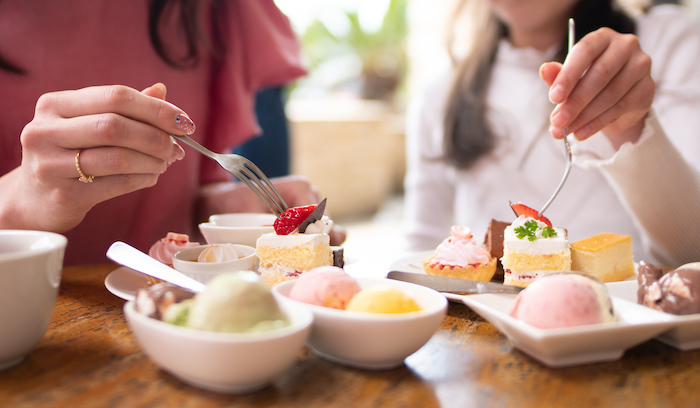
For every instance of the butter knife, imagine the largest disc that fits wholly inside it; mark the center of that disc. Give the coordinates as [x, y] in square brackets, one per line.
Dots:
[453, 285]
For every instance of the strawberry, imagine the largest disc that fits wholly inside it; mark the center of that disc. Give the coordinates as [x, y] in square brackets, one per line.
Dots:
[290, 220]
[522, 209]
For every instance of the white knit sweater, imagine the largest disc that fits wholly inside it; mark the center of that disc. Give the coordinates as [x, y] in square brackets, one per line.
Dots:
[649, 190]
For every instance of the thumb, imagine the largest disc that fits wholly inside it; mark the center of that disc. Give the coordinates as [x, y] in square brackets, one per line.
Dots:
[157, 90]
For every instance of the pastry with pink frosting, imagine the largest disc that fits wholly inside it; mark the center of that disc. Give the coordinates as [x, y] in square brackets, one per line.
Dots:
[164, 249]
[459, 256]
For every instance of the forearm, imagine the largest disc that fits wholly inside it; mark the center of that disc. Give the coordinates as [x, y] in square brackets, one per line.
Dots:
[661, 191]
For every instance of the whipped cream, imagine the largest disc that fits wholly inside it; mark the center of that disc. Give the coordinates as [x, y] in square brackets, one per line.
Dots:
[220, 253]
[550, 245]
[274, 240]
[322, 226]
[460, 249]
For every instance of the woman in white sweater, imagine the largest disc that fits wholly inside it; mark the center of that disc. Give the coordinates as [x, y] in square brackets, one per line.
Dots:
[487, 130]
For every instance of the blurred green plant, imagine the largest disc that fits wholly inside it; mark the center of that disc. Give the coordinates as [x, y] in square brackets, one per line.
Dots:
[382, 52]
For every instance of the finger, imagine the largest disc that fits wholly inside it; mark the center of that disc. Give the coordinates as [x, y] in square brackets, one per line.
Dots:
[120, 100]
[577, 62]
[108, 187]
[599, 75]
[117, 131]
[549, 72]
[622, 115]
[157, 90]
[108, 161]
[612, 96]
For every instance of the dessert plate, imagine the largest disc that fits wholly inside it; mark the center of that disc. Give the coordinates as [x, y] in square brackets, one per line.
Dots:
[573, 345]
[685, 333]
[124, 282]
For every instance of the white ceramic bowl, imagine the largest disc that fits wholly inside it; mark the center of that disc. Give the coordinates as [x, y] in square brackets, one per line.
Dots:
[372, 340]
[185, 261]
[233, 363]
[242, 228]
[30, 273]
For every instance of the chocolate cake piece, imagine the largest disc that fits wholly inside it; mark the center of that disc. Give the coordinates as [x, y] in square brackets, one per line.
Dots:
[338, 256]
[493, 241]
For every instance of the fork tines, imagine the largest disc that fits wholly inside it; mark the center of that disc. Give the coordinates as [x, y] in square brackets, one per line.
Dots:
[257, 181]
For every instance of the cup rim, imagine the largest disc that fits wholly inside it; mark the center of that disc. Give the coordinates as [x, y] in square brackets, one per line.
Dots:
[303, 318]
[57, 241]
[245, 248]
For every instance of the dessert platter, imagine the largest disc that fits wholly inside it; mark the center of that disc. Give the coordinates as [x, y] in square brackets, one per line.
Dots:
[559, 317]
[606, 256]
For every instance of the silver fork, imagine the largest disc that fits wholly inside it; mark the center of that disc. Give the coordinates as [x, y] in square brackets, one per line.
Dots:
[567, 146]
[246, 171]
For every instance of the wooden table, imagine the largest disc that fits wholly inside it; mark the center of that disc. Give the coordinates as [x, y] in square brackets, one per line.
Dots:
[90, 358]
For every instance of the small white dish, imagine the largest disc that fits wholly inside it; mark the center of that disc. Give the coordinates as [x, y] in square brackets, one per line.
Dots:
[685, 333]
[238, 228]
[124, 282]
[233, 363]
[372, 340]
[185, 261]
[574, 345]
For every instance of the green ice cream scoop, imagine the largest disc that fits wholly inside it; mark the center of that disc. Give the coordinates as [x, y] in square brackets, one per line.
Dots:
[236, 302]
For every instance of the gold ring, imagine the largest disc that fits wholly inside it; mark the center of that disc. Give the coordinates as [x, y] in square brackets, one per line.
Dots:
[83, 177]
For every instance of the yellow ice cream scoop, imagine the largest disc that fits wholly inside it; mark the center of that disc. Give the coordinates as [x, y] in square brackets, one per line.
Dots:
[382, 299]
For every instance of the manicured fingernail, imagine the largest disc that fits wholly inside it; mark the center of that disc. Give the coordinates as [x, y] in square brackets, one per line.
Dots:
[556, 94]
[178, 153]
[185, 124]
[560, 119]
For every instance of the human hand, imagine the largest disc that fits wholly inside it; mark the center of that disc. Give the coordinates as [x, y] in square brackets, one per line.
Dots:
[233, 197]
[122, 137]
[605, 84]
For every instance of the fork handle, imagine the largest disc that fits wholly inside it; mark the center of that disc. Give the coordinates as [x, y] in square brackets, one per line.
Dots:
[196, 146]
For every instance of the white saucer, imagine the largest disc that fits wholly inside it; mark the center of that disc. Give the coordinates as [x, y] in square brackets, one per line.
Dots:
[124, 282]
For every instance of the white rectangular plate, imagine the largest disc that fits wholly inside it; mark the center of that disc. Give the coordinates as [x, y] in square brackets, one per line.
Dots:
[685, 333]
[574, 345]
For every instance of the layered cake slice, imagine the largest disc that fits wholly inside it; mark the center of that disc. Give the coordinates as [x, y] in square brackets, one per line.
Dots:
[607, 256]
[532, 248]
[300, 243]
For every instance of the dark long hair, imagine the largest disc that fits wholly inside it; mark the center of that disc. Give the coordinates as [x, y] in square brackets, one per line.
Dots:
[188, 16]
[467, 136]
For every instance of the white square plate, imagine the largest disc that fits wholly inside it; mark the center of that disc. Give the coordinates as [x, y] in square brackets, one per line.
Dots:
[685, 333]
[573, 345]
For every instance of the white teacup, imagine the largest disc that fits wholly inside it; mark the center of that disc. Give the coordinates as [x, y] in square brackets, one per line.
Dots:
[30, 273]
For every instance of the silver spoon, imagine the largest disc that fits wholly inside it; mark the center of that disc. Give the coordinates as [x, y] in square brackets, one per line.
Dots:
[126, 255]
[567, 147]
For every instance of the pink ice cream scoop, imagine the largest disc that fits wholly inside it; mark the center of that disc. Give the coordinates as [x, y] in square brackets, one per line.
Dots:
[327, 286]
[563, 300]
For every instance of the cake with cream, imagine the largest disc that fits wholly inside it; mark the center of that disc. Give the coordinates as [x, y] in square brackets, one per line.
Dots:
[607, 256]
[300, 243]
[459, 256]
[532, 248]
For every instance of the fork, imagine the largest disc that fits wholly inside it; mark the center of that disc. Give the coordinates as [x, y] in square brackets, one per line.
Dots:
[246, 171]
[567, 146]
